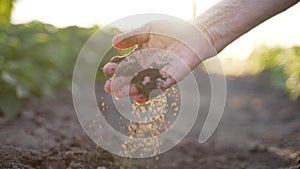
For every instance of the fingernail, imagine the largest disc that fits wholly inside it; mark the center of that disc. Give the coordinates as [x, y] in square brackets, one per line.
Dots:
[139, 99]
[107, 88]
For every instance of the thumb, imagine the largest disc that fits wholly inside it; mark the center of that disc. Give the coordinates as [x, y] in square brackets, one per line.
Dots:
[137, 36]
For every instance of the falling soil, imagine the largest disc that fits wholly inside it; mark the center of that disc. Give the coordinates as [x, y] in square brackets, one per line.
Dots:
[260, 129]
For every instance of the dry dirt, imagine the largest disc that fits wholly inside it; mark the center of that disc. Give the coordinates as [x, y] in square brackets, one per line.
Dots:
[260, 129]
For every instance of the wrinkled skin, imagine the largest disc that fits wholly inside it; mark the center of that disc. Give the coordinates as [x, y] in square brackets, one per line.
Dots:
[221, 24]
[157, 63]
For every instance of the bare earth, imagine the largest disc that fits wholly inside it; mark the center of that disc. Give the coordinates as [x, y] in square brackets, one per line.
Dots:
[260, 129]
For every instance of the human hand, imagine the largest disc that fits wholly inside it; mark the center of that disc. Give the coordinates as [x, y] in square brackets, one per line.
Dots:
[158, 61]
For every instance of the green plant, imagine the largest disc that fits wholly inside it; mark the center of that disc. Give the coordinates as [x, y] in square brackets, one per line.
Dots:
[36, 59]
[6, 7]
[282, 64]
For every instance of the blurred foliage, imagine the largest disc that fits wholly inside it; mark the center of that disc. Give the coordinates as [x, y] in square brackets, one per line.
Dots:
[282, 64]
[6, 7]
[37, 58]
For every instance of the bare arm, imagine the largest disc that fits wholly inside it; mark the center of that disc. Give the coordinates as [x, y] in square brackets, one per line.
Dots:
[229, 19]
[218, 27]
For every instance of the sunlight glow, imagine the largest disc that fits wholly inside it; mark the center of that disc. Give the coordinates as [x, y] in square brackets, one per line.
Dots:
[281, 30]
[89, 12]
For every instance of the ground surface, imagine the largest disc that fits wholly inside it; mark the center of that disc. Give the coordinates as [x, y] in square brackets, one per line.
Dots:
[260, 129]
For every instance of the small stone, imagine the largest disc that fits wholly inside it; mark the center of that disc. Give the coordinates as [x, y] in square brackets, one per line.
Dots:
[101, 167]
[74, 164]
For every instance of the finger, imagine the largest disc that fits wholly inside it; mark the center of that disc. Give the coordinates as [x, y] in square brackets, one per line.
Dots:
[116, 83]
[139, 99]
[107, 86]
[135, 37]
[165, 84]
[112, 85]
[128, 90]
[112, 65]
[110, 68]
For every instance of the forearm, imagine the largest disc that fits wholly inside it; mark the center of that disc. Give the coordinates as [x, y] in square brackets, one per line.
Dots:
[229, 19]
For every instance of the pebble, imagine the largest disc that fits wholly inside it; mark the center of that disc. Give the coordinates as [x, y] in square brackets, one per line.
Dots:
[74, 164]
[101, 167]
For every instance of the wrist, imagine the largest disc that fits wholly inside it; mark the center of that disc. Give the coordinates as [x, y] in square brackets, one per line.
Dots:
[207, 36]
[229, 19]
[209, 33]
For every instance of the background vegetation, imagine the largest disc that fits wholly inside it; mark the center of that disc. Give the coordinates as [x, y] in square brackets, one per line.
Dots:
[36, 59]
[281, 64]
